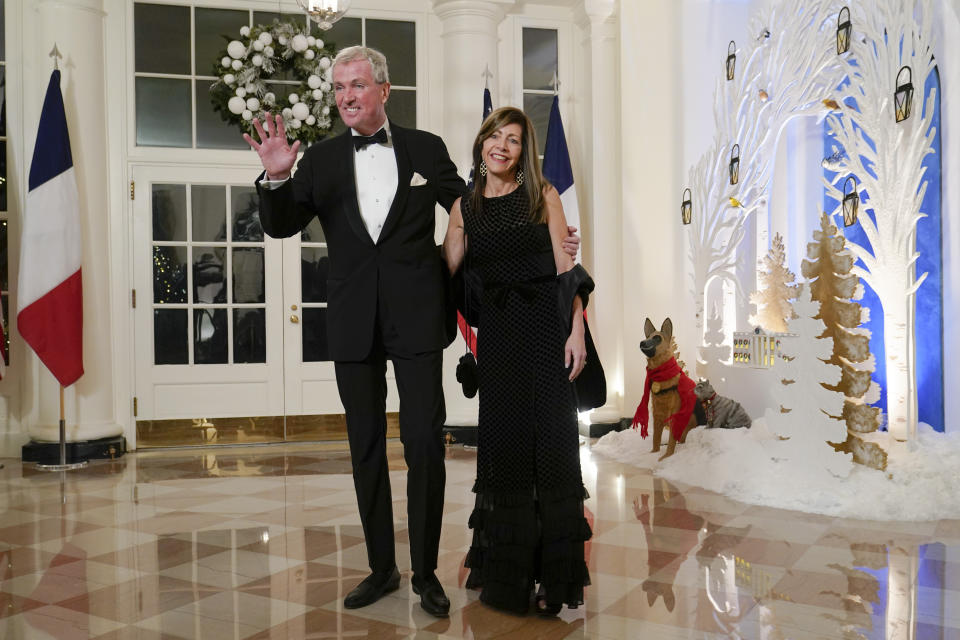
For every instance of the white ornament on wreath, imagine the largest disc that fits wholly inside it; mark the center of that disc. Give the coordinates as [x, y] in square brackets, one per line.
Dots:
[236, 105]
[300, 111]
[236, 49]
[252, 60]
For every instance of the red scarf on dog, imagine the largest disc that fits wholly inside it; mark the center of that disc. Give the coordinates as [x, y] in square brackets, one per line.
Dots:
[678, 421]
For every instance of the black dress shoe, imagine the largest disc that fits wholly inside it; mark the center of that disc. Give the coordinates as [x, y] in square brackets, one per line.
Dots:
[432, 598]
[373, 587]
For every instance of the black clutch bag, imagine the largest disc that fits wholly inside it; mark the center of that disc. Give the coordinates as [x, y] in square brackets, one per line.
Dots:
[467, 375]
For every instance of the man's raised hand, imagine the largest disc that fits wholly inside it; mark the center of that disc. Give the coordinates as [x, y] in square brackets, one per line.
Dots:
[275, 154]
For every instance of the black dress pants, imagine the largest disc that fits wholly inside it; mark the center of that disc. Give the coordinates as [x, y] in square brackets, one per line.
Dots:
[363, 391]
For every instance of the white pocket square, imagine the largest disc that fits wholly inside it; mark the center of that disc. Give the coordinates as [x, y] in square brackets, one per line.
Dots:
[417, 180]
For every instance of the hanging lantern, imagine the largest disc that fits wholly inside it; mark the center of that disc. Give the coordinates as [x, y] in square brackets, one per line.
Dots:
[731, 59]
[735, 164]
[903, 97]
[843, 31]
[851, 200]
[686, 209]
[324, 12]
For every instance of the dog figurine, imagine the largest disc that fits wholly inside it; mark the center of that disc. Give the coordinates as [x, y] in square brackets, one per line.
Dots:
[721, 412]
[669, 388]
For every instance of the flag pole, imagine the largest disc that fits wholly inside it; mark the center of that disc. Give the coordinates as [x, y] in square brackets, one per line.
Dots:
[63, 465]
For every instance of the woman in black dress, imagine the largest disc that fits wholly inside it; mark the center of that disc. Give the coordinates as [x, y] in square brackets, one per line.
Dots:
[528, 519]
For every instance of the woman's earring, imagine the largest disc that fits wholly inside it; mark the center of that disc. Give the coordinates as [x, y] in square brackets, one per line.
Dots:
[483, 168]
[519, 176]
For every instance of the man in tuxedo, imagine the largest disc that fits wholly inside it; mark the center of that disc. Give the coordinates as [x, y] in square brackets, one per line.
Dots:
[374, 189]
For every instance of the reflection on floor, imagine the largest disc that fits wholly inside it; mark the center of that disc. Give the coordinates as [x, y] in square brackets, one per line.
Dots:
[265, 542]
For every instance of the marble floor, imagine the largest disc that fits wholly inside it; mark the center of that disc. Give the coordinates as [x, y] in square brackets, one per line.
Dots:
[264, 542]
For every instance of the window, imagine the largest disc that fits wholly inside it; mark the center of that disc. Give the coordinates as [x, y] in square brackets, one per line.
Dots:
[539, 75]
[173, 73]
[209, 294]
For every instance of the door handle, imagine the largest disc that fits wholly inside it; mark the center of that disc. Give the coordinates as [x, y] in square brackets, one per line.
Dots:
[294, 318]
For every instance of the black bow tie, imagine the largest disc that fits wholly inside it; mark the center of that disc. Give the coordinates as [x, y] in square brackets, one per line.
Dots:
[380, 137]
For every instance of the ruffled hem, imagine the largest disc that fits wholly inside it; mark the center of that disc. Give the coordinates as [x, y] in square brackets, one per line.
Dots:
[521, 539]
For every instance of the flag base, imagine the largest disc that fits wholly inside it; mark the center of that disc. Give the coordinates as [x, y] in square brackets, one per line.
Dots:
[460, 434]
[48, 453]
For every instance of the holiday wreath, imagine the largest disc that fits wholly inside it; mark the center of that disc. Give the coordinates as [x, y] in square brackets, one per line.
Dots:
[249, 63]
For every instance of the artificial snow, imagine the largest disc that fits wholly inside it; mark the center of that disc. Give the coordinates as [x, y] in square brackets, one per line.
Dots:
[755, 466]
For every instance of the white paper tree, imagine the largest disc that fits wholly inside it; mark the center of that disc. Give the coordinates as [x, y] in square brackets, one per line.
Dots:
[806, 405]
[714, 348]
[785, 71]
[887, 159]
[773, 300]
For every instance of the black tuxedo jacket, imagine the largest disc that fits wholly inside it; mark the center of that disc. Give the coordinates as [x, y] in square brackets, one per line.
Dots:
[401, 271]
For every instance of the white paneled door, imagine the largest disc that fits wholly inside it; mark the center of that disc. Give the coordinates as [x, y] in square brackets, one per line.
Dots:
[229, 323]
[209, 341]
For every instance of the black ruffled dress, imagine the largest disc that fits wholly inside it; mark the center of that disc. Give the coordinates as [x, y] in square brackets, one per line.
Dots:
[528, 522]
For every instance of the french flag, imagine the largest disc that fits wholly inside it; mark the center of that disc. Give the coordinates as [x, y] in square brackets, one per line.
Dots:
[50, 316]
[556, 166]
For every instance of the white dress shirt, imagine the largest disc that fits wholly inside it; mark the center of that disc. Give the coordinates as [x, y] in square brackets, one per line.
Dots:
[376, 175]
[376, 171]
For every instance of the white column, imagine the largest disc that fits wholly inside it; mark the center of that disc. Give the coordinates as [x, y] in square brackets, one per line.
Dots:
[77, 28]
[599, 21]
[469, 47]
[469, 36]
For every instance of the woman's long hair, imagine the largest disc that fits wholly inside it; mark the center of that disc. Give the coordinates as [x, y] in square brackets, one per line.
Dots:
[533, 180]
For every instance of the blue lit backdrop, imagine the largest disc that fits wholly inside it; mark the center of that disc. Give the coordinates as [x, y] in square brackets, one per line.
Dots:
[929, 310]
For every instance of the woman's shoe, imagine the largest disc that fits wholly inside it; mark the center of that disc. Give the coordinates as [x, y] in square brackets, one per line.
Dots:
[545, 610]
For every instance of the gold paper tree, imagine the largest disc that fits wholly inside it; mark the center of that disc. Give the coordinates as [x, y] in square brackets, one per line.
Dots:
[773, 300]
[829, 266]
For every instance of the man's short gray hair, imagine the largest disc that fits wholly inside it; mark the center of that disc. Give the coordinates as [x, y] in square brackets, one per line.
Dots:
[378, 62]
